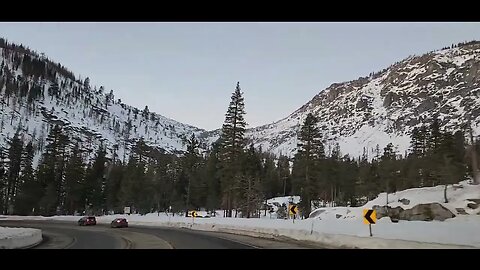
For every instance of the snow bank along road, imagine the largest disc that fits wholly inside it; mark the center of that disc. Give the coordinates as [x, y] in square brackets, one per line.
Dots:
[11, 238]
[67, 234]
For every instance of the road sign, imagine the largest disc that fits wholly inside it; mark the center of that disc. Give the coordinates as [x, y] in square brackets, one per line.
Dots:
[293, 209]
[193, 214]
[369, 216]
[126, 210]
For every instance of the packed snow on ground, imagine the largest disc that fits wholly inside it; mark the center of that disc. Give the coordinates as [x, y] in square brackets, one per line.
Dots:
[11, 238]
[341, 226]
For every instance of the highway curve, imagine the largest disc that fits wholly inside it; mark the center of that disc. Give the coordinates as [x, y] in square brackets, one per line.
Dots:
[68, 235]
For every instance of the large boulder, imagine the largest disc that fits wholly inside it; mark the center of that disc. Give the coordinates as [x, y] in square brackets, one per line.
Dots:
[381, 211]
[427, 212]
[405, 201]
[387, 211]
[472, 205]
[421, 212]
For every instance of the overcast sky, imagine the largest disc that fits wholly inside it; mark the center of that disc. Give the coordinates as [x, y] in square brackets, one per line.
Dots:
[187, 71]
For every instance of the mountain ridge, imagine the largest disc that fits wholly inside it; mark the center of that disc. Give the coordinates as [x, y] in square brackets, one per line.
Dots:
[357, 115]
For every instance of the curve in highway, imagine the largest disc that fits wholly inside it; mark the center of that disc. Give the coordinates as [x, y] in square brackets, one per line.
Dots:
[62, 234]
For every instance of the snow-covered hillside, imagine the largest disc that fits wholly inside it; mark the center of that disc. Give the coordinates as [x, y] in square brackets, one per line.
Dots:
[385, 107]
[33, 101]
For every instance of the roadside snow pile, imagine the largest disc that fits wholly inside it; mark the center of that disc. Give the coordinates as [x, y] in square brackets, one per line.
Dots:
[459, 197]
[11, 238]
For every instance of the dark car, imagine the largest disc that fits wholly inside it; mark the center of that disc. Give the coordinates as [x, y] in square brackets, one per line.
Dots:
[85, 221]
[119, 223]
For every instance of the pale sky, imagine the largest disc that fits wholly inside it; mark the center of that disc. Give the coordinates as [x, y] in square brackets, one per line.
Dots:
[187, 71]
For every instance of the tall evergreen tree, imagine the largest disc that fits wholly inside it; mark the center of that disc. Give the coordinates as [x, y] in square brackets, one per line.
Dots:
[307, 163]
[114, 182]
[451, 164]
[348, 174]
[14, 165]
[3, 178]
[435, 136]
[417, 144]
[30, 190]
[272, 184]
[387, 167]
[212, 169]
[74, 175]
[283, 169]
[50, 173]
[191, 163]
[128, 186]
[249, 192]
[232, 146]
[95, 181]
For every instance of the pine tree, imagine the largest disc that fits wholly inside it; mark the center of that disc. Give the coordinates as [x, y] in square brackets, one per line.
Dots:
[348, 174]
[435, 136]
[272, 185]
[417, 143]
[473, 156]
[74, 175]
[248, 183]
[451, 165]
[30, 190]
[307, 163]
[14, 165]
[128, 185]
[50, 173]
[95, 181]
[377, 152]
[283, 169]
[191, 162]
[145, 113]
[232, 145]
[250, 195]
[212, 169]
[3, 178]
[86, 84]
[114, 182]
[387, 167]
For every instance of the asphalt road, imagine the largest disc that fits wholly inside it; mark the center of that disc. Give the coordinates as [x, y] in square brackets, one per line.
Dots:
[68, 235]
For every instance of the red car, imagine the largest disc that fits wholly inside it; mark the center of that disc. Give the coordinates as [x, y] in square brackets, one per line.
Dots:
[85, 221]
[119, 223]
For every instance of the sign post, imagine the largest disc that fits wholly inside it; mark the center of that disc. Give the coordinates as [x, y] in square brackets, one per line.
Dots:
[369, 217]
[293, 210]
[194, 214]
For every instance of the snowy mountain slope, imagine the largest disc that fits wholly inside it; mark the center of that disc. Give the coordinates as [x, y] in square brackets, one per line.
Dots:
[32, 102]
[386, 106]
